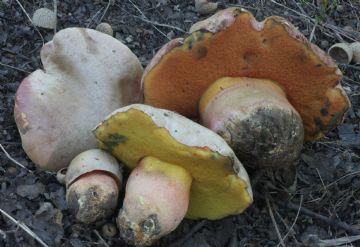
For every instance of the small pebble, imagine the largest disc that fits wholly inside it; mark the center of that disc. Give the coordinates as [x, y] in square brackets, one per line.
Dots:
[11, 171]
[170, 34]
[340, 8]
[324, 44]
[129, 39]
[349, 29]
[205, 7]
[30, 191]
[105, 28]
[44, 18]
[109, 230]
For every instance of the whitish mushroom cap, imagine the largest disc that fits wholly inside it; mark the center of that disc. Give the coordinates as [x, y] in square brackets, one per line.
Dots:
[93, 160]
[221, 185]
[87, 75]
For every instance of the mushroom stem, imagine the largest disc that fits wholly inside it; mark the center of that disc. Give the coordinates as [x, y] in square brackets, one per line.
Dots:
[255, 118]
[93, 196]
[156, 201]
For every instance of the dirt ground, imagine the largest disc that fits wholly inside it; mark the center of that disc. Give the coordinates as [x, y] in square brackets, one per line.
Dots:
[322, 206]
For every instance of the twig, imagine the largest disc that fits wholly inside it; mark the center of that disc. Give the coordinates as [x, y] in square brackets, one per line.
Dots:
[144, 16]
[160, 24]
[101, 239]
[351, 66]
[338, 241]
[13, 160]
[55, 13]
[274, 221]
[313, 32]
[332, 222]
[25, 228]
[333, 28]
[346, 175]
[296, 217]
[2, 234]
[36, 29]
[106, 9]
[12, 67]
[322, 181]
[300, 8]
[92, 18]
[350, 80]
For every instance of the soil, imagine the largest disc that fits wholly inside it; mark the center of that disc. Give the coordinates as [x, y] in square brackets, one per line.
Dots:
[321, 207]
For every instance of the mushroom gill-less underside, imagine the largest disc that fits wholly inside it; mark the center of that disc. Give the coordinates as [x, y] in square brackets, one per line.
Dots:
[233, 44]
[220, 185]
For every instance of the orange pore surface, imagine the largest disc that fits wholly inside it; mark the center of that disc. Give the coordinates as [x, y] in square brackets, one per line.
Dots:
[178, 81]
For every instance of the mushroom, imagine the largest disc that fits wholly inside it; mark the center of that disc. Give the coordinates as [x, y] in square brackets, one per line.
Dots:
[93, 181]
[355, 47]
[87, 75]
[341, 53]
[170, 154]
[232, 43]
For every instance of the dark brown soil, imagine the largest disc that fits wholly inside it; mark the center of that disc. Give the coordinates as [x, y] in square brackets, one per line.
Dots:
[327, 187]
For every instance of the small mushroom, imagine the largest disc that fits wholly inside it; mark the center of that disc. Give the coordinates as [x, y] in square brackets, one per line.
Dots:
[179, 167]
[105, 28]
[302, 77]
[355, 47]
[341, 53]
[44, 18]
[93, 181]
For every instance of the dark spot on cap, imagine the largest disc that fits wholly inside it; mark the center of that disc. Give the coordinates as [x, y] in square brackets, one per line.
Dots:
[114, 140]
[324, 111]
[202, 52]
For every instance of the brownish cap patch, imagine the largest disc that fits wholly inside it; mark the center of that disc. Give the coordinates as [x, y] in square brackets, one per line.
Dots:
[273, 49]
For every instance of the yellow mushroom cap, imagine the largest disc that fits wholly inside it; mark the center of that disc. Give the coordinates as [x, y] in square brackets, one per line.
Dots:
[220, 185]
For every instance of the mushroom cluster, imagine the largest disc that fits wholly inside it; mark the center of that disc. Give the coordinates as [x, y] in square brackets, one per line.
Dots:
[257, 89]
[281, 89]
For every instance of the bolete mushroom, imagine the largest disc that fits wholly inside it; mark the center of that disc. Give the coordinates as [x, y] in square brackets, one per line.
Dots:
[87, 75]
[171, 154]
[93, 181]
[232, 43]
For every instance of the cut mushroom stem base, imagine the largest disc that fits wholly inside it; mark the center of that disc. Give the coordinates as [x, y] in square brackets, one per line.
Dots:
[156, 201]
[255, 118]
[93, 196]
